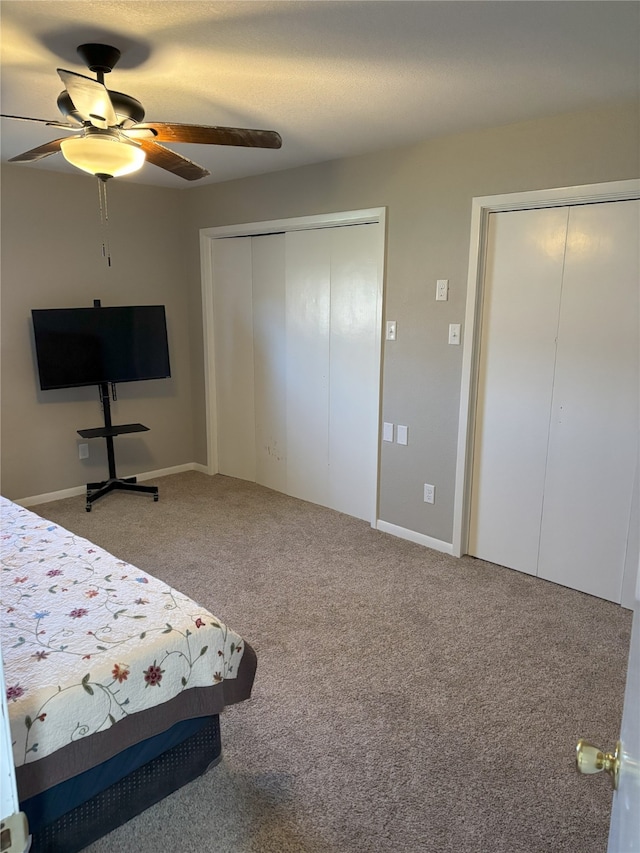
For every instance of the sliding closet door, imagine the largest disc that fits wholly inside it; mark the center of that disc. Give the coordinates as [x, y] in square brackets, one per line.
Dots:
[523, 280]
[270, 360]
[353, 370]
[308, 307]
[332, 367]
[555, 453]
[297, 346]
[233, 347]
[594, 421]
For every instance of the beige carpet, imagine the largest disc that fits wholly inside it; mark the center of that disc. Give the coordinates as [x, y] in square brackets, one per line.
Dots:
[404, 701]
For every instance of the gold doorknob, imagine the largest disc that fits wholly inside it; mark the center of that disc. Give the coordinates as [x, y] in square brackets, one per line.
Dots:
[590, 759]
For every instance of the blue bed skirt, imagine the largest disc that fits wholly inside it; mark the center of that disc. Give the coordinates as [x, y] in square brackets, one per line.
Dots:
[73, 814]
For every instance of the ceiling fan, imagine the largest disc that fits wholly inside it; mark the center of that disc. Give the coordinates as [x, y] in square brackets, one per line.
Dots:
[111, 138]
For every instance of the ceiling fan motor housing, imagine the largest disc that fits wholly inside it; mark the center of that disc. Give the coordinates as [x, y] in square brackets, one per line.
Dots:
[129, 110]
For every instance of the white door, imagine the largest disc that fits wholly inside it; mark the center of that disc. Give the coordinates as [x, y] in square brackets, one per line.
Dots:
[353, 370]
[297, 350]
[624, 829]
[234, 359]
[515, 384]
[593, 439]
[332, 367]
[267, 276]
[308, 333]
[557, 412]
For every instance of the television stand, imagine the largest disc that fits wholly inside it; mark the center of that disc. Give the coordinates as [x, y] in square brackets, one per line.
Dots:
[108, 431]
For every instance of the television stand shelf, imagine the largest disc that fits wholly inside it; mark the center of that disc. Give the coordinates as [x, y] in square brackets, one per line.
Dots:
[104, 432]
[108, 431]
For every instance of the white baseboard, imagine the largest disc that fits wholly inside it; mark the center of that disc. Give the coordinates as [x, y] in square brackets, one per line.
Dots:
[34, 500]
[413, 536]
[176, 469]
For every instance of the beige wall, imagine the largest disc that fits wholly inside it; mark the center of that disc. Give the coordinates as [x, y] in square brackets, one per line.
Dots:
[51, 249]
[428, 190]
[51, 257]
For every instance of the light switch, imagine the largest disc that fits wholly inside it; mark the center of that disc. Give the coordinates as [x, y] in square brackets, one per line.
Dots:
[403, 434]
[442, 289]
[454, 333]
[387, 432]
[391, 330]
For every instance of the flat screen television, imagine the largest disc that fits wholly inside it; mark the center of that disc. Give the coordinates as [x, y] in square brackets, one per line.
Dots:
[88, 346]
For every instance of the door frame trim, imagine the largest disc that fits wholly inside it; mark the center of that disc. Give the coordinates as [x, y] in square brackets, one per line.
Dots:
[482, 207]
[208, 236]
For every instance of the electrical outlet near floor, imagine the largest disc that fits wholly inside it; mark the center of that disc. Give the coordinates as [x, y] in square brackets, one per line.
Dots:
[429, 494]
[83, 451]
[14, 833]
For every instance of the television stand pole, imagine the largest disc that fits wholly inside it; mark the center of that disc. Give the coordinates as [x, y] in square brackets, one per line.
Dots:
[106, 410]
[127, 484]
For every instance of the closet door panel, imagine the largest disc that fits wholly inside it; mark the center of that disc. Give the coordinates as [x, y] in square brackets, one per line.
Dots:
[308, 299]
[353, 415]
[522, 286]
[233, 343]
[270, 360]
[594, 423]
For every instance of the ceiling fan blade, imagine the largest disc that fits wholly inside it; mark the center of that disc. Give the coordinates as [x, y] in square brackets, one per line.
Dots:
[172, 162]
[205, 135]
[90, 98]
[63, 124]
[38, 153]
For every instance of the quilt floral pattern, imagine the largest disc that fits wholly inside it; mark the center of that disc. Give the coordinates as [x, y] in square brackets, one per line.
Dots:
[88, 639]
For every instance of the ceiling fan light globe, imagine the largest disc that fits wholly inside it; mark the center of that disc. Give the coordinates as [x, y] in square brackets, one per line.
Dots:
[102, 155]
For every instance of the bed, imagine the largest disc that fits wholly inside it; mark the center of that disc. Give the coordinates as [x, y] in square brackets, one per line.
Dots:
[115, 682]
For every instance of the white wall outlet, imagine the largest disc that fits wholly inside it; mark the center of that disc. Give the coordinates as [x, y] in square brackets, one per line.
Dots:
[454, 333]
[442, 289]
[83, 451]
[429, 494]
[391, 330]
[403, 434]
[387, 432]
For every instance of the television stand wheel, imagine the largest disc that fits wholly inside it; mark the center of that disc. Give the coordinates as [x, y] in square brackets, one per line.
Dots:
[88, 507]
[156, 497]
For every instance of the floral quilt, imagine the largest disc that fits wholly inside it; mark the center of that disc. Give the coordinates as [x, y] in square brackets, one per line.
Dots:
[88, 639]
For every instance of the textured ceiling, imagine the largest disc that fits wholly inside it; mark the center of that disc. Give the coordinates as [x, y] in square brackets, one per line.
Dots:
[333, 78]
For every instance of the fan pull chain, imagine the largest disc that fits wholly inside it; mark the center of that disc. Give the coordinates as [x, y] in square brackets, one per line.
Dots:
[104, 219]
